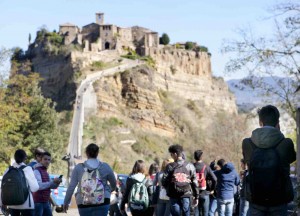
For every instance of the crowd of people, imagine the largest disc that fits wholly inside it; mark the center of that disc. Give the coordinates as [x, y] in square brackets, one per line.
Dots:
[178, 187]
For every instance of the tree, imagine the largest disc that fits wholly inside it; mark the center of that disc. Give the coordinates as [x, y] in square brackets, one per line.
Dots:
[27, 119]
[29, 38]
[164, 39]
[189, 45]
[273, 56]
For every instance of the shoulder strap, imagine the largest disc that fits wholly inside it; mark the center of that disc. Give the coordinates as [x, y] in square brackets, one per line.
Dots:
[22, 167]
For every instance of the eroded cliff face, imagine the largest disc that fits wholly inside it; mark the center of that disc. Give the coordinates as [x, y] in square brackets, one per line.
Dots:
[189, 75]
[136, 93]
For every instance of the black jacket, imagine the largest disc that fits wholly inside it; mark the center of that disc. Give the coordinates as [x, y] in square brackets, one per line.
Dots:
[168, 175]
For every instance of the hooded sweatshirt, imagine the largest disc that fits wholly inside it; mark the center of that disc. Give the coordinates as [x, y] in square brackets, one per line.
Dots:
[107, 177]
[227, 180]
[268, 137]
[33, 185]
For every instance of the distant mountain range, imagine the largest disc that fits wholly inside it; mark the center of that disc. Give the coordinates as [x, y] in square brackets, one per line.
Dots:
[249, 99]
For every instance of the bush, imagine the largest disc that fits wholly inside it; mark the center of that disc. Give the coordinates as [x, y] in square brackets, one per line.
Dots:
[164, 39]
[189, 45]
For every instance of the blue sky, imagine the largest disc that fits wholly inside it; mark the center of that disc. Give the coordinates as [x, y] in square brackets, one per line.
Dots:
[204, 21]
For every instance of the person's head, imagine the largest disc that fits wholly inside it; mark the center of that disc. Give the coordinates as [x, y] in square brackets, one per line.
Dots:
[176, 151]
[38, 153]
[20, 156]
[198, 155]
[165, 163]
[153, 169]
[46, 159]
[139, 167]
[221, 163]
[269, 116]
[92, 150]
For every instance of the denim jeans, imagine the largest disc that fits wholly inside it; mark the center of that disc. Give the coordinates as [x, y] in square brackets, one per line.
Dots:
[213, 205]
[114, 210]
[225, 207]
[257, 210]
[42, 209]
[203, 206]
[163, 208]
[180, 205]
[244, 207]
[23, 212]
[94, 211]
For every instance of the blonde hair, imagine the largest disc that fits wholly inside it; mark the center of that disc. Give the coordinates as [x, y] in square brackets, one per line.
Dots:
[165, 163]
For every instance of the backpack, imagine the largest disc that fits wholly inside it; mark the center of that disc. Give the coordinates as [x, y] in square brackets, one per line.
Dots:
[138, 199]
[201, 178]
[265, 182]
[14, 187]
[91, 187]
[180, 183]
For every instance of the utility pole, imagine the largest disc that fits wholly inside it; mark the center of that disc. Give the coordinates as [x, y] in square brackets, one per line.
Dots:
[298, 148]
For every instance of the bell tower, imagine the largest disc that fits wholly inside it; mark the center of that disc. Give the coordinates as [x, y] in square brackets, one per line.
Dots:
[100, 18]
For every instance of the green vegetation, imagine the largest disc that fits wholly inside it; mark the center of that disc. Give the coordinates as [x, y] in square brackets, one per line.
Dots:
[98, 65]
[189, 45]
[164, 39]
[28, 120]
[134, 56]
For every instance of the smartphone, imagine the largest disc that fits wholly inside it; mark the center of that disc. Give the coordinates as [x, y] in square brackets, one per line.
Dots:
[60, 177]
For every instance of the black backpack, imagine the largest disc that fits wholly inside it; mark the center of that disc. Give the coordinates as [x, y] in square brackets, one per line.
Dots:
[181, 181]
[265, 182]
[14, 189]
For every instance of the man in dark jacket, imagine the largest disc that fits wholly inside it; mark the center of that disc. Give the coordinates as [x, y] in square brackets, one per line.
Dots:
[267, 137]
[206, 183]
[180, 180]
[227, 179]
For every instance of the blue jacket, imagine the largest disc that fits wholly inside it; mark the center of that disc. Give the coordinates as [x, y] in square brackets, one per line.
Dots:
[227, 180]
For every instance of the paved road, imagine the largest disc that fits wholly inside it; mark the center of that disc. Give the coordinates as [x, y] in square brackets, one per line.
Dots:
[75, 141]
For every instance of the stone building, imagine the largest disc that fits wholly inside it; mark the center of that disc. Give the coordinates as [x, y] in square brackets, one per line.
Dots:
[98, 36]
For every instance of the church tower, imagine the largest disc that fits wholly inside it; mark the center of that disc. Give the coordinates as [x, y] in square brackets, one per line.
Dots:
[100, 18]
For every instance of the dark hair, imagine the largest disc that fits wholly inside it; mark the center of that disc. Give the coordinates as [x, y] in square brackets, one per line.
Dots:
[46, 153]
[92, 150]
[269, 115]
[20, 156]
[213, 165]
[138, 167]
[153, 168]
[38, 152]
[178, 149]
[198, 155]
[221, 163]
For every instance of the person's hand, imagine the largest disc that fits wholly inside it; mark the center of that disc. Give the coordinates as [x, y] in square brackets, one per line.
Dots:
[195, 202]
[65, 207]
[57, 181]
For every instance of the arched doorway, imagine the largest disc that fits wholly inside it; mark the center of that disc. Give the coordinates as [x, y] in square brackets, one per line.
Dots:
[106, 45]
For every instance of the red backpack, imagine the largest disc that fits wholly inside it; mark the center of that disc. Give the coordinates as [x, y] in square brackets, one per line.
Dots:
[201, 178]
